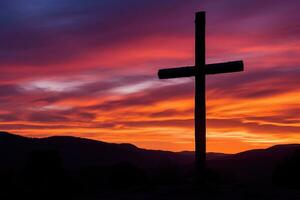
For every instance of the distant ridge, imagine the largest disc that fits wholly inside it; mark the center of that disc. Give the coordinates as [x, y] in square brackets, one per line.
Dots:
[9, 135]
[79, 153]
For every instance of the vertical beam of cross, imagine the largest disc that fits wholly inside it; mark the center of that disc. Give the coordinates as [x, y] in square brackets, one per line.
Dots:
[200, 107]
[200, 70]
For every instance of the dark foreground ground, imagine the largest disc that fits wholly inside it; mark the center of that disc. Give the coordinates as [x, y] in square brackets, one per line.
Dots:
[80, 169]
[209, 191]
[206, 192]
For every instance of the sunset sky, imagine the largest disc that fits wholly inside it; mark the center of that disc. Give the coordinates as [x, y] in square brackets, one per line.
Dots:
[89, 69]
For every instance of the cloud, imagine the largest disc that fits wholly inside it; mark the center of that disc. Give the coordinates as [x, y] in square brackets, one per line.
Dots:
[8, 90]
[8, 117]
[252, 127]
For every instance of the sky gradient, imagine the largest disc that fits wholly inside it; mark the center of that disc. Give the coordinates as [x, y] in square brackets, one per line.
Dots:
[89, 69]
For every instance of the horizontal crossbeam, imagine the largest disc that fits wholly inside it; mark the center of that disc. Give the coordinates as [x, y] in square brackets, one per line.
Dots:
[228, 67]
[176, 72]
[217, 68]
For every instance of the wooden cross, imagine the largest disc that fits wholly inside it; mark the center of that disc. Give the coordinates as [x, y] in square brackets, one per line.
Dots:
[199, 71]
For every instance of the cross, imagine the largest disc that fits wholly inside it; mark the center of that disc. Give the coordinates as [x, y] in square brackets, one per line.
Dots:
[199, 71]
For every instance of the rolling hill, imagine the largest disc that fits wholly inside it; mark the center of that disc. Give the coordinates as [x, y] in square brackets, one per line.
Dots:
[77, 153]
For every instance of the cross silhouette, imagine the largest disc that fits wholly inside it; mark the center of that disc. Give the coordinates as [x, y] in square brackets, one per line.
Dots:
[199, 71]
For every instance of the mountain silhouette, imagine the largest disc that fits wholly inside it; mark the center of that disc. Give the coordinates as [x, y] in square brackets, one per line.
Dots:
[79, 152]
[57, 165]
